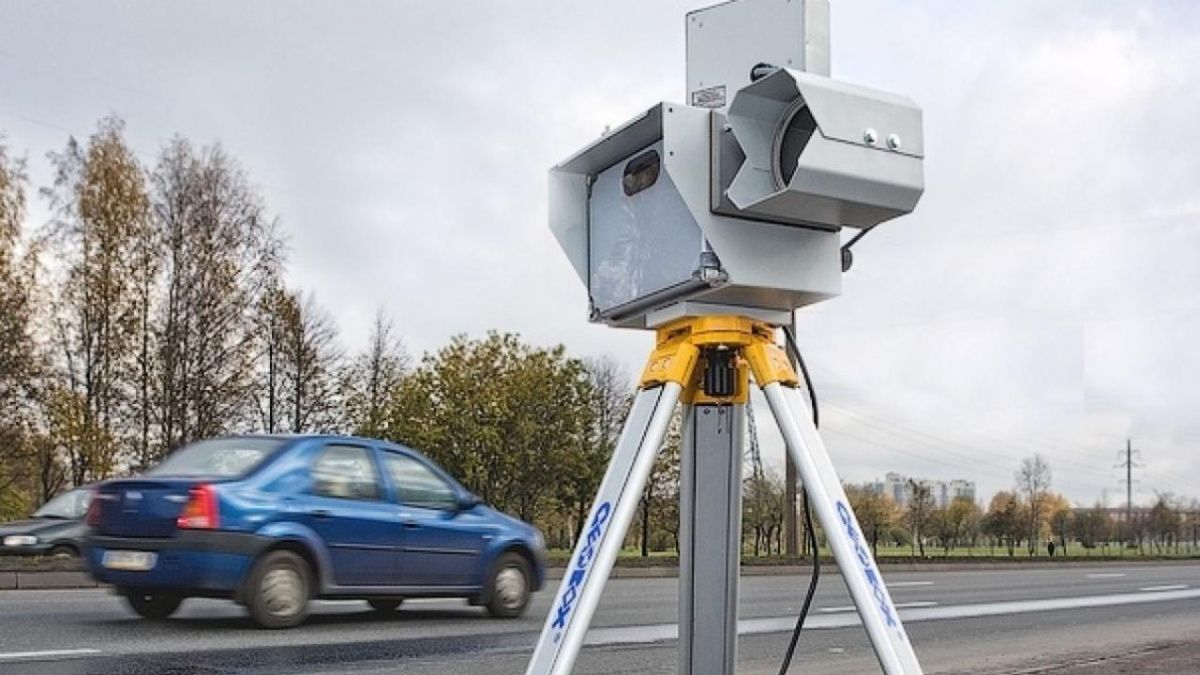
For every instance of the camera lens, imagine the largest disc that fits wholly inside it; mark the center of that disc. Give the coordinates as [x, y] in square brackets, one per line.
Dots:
[790, 138]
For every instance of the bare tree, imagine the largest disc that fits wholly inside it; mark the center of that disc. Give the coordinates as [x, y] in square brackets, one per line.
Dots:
[609, 401]
[1033, 481]
[372, 378]
[218, 247]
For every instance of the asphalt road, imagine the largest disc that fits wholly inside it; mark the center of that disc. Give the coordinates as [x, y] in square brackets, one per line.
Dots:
[1027, 620]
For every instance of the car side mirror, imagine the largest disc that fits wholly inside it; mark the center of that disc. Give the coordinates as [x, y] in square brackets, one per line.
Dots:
[467, 501]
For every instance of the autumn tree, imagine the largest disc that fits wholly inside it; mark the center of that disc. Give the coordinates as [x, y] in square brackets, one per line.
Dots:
[501, 415]
[919, 511]
[1059, 517]
[876, 512]
[1005, 520]
[101, 207]
[18, 362]
[957, 523]
[373, 377]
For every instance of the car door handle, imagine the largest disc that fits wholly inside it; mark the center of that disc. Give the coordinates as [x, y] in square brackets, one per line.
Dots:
[320, 514]
[411, 524]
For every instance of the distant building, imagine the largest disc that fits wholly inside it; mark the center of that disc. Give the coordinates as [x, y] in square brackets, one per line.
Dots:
[896, 486]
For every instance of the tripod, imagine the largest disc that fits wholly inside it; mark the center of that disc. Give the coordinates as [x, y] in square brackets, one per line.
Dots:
[705, 363]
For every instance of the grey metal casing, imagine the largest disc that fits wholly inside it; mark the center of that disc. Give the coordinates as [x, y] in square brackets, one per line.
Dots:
[860, 165]
[753, 264]
[726, 41]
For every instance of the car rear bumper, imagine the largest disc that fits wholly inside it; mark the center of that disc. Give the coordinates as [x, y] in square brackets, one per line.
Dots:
[199, 562]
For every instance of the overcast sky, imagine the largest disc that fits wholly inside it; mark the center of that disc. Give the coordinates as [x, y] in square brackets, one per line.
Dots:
[1044, 297]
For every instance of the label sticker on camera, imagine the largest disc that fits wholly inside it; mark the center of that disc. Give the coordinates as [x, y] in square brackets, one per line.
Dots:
[710, 97]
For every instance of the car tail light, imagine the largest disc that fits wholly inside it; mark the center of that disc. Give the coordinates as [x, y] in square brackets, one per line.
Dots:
[200, 511]
[93, 510]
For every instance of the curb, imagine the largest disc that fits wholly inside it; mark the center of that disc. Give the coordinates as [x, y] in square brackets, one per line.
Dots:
[44, 580]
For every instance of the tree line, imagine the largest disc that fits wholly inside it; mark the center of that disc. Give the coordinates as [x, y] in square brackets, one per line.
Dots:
[1021, 521]
[153, 310]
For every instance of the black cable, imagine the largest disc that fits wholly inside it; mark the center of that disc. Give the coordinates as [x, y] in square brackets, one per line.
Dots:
[812, 588]
[854, 240]
[812, 393]
[808, 521]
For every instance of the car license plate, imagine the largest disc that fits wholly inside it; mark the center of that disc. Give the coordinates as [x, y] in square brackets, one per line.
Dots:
[131, 561]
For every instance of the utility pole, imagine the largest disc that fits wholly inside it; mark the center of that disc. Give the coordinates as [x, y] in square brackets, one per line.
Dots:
[1127, 463]
[1129, 481]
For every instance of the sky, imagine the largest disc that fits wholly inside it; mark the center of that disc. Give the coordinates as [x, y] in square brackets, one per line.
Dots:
[1043, 298]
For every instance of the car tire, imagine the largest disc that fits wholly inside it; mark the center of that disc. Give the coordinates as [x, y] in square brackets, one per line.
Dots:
[64, 552]
[156, 606]
[384, 605]
[280, 588]
[509, 586]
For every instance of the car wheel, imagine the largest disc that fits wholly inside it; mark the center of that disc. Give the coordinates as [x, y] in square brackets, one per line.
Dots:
[279, 590]
[153, 605]
[508, 595]
[64, 552]
[384, 605]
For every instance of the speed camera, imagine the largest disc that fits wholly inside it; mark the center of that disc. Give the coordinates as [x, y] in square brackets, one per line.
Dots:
[739, 206]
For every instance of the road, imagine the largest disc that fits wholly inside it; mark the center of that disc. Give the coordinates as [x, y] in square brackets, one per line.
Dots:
[1026, 620]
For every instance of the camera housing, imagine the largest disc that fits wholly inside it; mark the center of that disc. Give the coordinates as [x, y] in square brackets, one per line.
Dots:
[816, 152]
[684, 208]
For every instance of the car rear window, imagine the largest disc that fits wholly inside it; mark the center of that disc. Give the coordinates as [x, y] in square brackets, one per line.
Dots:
[220, 457]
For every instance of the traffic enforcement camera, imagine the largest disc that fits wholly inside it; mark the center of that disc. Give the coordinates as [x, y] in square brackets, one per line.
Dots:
[740, 206]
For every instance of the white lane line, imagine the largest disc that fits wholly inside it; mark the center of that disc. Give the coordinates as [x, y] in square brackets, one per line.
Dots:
[905, 584]
[49, 653]
[670, 631]
[1172, 587]
[898, 605]
[1105, 575]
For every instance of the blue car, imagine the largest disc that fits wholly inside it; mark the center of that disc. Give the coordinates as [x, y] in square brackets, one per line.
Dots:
[272, 522]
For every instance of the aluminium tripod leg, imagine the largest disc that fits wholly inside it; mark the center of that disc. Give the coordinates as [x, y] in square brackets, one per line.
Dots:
[853, 556]
[598, 546]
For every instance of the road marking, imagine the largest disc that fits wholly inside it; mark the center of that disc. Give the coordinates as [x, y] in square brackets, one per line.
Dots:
[669, 631]
[1172, 587]
[1105, 575]
[903, 584]
[898, 605]
[10, 656]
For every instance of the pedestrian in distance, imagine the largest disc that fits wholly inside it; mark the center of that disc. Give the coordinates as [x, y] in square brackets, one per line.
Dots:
[1050, 547]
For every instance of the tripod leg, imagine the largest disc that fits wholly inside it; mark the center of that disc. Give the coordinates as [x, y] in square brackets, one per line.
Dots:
[597, 549]
[710, 529]
[853, 556]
